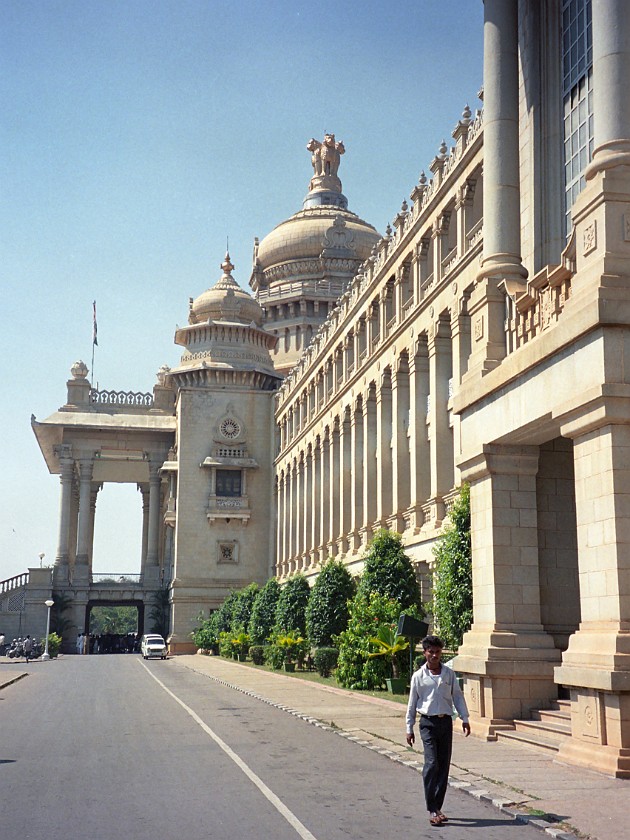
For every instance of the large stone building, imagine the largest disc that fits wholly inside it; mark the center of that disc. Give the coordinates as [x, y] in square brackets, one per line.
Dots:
[485, 338]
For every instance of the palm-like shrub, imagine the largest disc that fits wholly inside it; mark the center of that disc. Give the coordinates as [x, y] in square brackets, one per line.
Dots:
[388, 645]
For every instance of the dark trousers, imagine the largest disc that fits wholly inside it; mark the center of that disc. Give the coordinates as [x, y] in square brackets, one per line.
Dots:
[437, 740]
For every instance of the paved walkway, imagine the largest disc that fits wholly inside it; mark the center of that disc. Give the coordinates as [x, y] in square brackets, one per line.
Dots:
[514, 778]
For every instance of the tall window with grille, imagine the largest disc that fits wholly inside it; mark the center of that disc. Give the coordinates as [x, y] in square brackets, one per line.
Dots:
[577, 89]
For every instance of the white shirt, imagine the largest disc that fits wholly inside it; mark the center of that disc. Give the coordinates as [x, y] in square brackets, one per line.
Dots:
[435, 694]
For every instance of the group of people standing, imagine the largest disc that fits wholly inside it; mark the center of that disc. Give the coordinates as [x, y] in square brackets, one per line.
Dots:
[108, 643]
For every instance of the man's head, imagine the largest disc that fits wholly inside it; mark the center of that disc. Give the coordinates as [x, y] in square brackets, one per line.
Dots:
[432, 647]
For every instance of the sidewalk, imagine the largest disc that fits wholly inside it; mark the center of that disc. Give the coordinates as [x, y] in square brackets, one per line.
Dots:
[515, 779]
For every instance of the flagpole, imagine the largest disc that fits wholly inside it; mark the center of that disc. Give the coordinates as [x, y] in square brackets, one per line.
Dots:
[94, 341]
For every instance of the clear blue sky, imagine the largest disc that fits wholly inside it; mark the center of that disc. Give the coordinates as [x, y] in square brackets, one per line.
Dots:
[138, 136]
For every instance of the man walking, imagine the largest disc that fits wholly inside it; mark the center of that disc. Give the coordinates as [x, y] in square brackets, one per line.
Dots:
[434, 691]
[28, 648]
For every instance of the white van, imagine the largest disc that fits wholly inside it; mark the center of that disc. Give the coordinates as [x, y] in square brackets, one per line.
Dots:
[153, 644]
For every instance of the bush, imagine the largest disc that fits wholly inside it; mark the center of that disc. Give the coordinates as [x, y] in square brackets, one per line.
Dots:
[355, 668]
[206, 636]
[224, 614]
[292, 604]
[225, 644]
[452, 576]
[242, 607]
[327, 612]
[325, 660]
[54, 645]
[257, 653]
[274, 656]
[389, 572]
[263, 615]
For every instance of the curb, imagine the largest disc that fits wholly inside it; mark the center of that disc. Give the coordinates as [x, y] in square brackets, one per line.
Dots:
[12, 680]
[506, 806]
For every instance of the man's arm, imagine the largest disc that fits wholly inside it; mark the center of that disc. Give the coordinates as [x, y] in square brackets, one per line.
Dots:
[411, 711]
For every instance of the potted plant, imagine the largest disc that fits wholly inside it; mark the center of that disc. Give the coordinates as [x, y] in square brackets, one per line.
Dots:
[389, 645]
[240, 645]
[290, 643]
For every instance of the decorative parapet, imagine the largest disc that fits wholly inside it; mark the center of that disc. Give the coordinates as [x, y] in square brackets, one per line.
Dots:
[132, 399]
[531, 311]
[407, 223]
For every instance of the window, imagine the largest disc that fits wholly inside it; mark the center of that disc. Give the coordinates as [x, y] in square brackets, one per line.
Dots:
[228, 482]
[577, 92]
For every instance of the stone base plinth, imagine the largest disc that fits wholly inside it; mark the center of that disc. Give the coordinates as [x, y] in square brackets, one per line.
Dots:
[612, 761]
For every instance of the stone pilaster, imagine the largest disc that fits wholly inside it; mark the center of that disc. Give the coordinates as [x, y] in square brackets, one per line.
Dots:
[507, 658]
[334, 492]
[324, 503]
[441, 436]
[346, 468]
[370, 476]
[596, 664]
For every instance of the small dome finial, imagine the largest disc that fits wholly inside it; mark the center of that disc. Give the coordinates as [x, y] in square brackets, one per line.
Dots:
[226, 265]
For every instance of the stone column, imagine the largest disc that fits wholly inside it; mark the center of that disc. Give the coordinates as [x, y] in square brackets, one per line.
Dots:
[384, 449]
[153, 536]
[356, 457]
[419, 452]
[346, 468]
[370, 476]
[596, 664]
[279, 562]
[308, 506]
[611, 82]
[93, 496]
[441, 436]
[66, 479]
[507, 658]
[291, 523]
[324, 499]
[316, 499]
[86, 465]
[144, 490]
[299, 513]
[501, 200]
[286, 523]
[460, 340]
[334, 491]
[401, 479]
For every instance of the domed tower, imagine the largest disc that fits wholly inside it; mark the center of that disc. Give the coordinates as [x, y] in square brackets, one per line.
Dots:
[306, 262]
[221, 469]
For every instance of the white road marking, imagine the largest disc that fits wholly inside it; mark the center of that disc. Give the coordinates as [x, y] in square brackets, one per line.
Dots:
[289, 816]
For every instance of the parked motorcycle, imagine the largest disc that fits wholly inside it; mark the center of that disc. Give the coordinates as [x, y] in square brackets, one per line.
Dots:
[16, 650]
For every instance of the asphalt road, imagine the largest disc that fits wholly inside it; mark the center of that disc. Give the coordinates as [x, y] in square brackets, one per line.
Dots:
[111, 747]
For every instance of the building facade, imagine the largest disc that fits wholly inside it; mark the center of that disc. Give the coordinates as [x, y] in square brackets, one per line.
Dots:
[484, 338]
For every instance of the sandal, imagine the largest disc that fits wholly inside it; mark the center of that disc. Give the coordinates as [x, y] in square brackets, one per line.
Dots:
[443, 817]
[434, 819]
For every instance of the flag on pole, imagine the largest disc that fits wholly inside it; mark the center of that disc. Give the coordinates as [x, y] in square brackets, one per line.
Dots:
[94, 325]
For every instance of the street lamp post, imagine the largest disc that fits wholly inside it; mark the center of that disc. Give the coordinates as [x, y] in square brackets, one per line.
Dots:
[45, 655]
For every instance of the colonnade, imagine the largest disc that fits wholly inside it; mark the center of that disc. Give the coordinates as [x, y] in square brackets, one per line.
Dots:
[380, 457]
[78, 497]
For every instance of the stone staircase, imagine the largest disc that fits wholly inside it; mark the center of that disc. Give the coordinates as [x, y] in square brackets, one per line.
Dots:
[545, 731]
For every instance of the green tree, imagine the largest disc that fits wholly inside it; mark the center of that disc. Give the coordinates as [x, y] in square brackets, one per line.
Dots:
[113, 620]
[263, 617]
[452, 576]
[206, 635]
[223, 619]
[389, 571]
[328, 611]
[292, 604]
[242, 607]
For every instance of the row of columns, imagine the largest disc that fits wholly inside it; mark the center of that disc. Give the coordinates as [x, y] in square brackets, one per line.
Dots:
[77, 512]
[387, 460]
